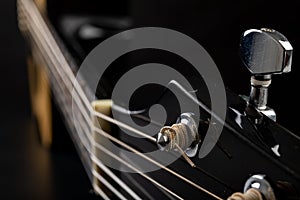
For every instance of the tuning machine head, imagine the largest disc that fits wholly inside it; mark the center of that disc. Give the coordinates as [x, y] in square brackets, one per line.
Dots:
[184, 135]
[260, 183]
[256, 187]
[264, 52]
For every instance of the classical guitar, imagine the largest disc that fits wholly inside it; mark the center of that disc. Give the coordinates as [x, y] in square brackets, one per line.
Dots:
[179, 139]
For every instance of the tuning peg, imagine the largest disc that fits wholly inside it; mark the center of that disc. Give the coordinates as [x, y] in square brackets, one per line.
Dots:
[260, 183]
[264, 52]
[182, 136]
[257, 187]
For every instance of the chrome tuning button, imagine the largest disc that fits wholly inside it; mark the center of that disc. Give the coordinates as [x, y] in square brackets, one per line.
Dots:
[256, 187]
[264, 52]
[261, 184]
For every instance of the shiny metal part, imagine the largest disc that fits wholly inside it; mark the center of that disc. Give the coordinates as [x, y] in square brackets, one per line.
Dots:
[260, 183]
[264, 52]
[259, 92]
[183, 135]
[259, 95]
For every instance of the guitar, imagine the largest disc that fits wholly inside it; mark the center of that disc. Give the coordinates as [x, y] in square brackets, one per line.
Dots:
[134, 150]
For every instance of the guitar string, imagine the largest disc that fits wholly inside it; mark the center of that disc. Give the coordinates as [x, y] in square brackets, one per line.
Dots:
[116, 179]
[84, 142]
[107, 171]
[142, 155]
[23, 12]
[108, 185]
[87, 104]
[100, 192]
[112, 120]
[102, 116]
[85, 100]
[137, 171]
[121, 160]
[144, 190]
[87, 136]
[101, 179]
[123, 144]
[154, 162]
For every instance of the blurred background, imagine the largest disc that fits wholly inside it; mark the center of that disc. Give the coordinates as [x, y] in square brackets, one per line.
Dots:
[29, 171]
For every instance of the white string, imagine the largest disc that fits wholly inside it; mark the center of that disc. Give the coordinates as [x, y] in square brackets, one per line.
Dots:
[60, 61]
[86, 146]
[154, 162]
[100, 192]
[107, 184]
[79, 104]
[100, 147]
[114, 177]
[87, 104]
[123, 125]
[78, 89]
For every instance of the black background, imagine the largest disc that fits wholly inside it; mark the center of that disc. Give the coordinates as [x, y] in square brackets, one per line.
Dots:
[217, 26]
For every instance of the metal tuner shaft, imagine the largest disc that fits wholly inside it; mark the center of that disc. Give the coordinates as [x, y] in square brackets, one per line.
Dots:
[264, 52]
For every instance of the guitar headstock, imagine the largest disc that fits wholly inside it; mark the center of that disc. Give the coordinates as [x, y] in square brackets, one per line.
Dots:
[244, 154]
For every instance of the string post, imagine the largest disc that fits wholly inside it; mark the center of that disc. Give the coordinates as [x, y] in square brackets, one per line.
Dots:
[260, 183]
[251, 194]
[182, 136]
